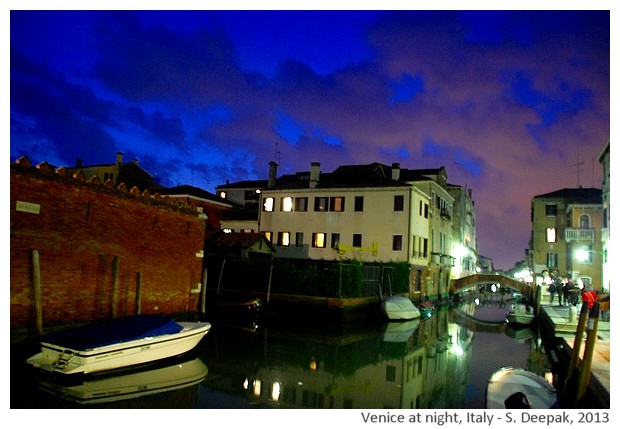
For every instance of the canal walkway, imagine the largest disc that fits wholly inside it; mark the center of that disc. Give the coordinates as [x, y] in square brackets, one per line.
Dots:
[565, 326]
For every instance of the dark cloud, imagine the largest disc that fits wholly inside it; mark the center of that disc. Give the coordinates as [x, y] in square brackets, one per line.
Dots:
[204, 97]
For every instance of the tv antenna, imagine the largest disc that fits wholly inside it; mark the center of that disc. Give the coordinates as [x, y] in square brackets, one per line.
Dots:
[578, 165]
[277, 153]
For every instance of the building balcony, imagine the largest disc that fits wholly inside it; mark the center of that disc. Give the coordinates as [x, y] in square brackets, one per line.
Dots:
[442, 259]
[604, 235]
[574, 234]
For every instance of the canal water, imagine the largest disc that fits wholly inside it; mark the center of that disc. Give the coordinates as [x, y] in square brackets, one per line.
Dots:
[442, 362]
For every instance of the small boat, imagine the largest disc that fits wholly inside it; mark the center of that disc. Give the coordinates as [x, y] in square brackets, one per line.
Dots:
[426, 308]
[399, 308]
[521, 314]
[136, 384]
[518, 388]
[118, 343]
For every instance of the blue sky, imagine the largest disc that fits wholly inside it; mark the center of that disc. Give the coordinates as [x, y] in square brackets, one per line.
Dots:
[507, 101]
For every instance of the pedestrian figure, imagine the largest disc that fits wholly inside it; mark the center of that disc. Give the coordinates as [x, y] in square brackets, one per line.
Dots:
[552, 291]
[565, 290]
[588, 295]
[559, 286]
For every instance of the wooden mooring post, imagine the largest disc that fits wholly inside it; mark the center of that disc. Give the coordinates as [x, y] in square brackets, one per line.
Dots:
[138, 292]
[585, 371]
[571, 372]
[115, 282]
[36, 286]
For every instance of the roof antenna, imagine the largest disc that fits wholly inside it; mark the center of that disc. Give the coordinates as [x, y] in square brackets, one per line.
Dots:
[578, 164]
[277, 153]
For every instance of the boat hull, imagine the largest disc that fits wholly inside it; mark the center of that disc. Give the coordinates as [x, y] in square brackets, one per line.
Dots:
[510, 381]
[399, 308]
[59, 359]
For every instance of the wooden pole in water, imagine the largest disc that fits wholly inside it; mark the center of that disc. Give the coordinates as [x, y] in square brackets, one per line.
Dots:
[203, 293]
[219, 280]
[586, 365]
[574, 358]
[115, 281]
[269, 284]
[36, 285]
[138, 292]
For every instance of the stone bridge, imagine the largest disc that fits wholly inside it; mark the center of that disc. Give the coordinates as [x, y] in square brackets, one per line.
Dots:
[458, 285]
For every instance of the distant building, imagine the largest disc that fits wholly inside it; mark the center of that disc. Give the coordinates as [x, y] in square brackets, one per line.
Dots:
[566, 234]
[210, 205]
[129, 173]
[604, 160]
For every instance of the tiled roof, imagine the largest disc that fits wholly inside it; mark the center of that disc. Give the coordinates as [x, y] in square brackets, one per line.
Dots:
[576, 195]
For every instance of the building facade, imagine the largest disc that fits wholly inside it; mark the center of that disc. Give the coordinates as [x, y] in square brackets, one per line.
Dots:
[604, 160]
[368, 213]
[566, 235]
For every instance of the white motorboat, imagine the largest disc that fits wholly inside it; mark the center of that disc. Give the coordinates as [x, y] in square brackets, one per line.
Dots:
[520, 314]
[399, 308]
[117, 344]
[518, 388]
[135, 384]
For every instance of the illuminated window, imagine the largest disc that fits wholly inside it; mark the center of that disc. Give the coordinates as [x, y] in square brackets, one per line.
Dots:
[268, 235]
[287, 204]
[336, 204]
[268, 204]
[284, 238]
[318, 239]
[222, 194]
[551, 235]
[321, 204]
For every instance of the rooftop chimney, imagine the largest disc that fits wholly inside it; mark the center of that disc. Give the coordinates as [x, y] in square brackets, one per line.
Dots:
[78, 162]
[396, 171]
[315, 172]
[119, 157]
[273, 171]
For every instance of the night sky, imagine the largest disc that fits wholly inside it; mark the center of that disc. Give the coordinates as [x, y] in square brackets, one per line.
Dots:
[508, 101]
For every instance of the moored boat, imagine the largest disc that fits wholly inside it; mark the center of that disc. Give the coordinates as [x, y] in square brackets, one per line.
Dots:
[118, 343]
[518, 388]
[399, 308]
[521, 314]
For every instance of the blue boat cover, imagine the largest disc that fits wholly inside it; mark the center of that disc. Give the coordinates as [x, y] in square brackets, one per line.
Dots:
[114, 331]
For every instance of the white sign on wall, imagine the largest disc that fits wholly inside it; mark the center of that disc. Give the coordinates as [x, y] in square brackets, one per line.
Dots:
[22, 206]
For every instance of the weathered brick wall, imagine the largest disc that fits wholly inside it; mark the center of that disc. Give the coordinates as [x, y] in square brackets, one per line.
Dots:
[82, 232]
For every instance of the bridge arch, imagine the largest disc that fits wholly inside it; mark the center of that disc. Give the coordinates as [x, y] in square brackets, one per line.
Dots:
[457, 285]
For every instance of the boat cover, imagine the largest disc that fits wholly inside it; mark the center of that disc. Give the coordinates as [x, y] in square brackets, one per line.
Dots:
[114, 331]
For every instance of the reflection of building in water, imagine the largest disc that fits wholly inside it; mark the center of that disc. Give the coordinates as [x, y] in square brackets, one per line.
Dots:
[428, 369]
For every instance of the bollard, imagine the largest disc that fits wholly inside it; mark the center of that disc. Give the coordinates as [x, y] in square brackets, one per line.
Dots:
[586, 365]
[572, 314]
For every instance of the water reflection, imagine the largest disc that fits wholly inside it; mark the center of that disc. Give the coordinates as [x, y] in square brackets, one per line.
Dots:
[442, 362]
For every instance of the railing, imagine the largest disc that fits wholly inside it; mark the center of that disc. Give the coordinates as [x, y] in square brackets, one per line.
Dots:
[604, 234]
[573, 234]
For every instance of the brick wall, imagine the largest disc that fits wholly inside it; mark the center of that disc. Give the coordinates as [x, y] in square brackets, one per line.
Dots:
[87, 234]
